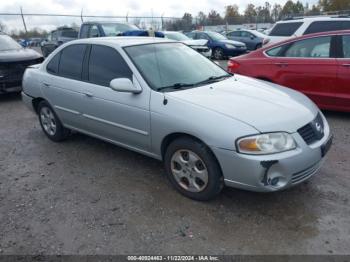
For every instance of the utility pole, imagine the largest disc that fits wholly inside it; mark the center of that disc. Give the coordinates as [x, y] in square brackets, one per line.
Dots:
[24, 22]
[81, 15]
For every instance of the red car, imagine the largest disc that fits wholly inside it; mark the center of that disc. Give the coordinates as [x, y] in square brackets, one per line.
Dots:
[317, 65]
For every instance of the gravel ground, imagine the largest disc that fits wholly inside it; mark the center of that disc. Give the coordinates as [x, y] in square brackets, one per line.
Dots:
[84, 196]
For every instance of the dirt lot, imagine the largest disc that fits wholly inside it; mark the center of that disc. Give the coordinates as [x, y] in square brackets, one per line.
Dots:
[85, 196]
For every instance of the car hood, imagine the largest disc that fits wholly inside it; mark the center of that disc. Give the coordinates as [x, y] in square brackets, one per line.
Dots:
[265, 106]
[198, 42]
[232, 42]
[22, 54]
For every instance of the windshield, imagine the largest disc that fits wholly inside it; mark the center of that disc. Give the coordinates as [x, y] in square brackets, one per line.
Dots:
[111, 29]
[216, 36]
[172, 65]
[7, 43]
[176, 36]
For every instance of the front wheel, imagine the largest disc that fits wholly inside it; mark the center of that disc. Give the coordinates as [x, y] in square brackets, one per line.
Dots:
[50, 123]
[193, 170]
[218, 53]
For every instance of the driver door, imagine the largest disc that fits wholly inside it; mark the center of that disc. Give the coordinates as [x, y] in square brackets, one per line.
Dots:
[120, 117]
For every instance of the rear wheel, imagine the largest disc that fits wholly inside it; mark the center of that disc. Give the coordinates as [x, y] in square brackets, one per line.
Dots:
[50, 123]
[193, 170]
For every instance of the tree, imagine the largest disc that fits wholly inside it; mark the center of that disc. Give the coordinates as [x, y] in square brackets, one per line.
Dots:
[291, 8]
[201, 18]
[264, 13]
[334, 5]
[232, 14]
[250, 13]
[214, 18]
[276, 12]
[187, 21]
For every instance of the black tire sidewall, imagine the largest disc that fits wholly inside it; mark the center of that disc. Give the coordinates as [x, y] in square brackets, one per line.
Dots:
[61, 131]
[215, 178]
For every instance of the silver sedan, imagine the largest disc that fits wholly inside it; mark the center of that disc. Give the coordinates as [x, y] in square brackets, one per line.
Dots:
[163, 99]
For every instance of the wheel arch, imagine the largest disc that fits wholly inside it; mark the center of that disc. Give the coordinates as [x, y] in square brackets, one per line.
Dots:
[36, 101]
[167, 140]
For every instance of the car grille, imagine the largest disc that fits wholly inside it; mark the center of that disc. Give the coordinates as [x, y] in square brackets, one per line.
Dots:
[313, 131]
[13, 71]
[202, 50]
[305, 174]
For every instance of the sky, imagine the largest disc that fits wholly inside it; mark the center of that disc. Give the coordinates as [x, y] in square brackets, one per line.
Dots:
[170, 8]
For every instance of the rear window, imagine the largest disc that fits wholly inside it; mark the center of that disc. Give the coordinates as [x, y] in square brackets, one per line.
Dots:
[71, 63]
[69, 33]
[285, 29]
[324, 26]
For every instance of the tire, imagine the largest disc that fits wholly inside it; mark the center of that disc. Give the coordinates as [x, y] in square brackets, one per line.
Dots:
[218, 53]
[50, 123]
[193, 170]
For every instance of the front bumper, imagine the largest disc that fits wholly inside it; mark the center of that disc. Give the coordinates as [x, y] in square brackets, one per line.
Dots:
[10, 86]
[252, 172]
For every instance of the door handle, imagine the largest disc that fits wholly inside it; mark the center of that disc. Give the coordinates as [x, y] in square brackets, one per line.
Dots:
[88, 94]
[281, 64]
[46, 84]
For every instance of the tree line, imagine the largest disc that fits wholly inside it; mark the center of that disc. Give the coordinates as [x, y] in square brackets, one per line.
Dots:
[266, 13]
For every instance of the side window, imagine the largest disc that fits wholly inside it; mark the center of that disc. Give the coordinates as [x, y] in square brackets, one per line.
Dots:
[318, 47]
[235, 33]
[274, 51]
[285, 29]
[84, 31]
[52, 66]
[49, 37]
[346, 46]
[190, 35]
[94, 32]
[202, 36]
[325, 26]
[71, 63]
[246, 34]
[54, 35]
[106, 64]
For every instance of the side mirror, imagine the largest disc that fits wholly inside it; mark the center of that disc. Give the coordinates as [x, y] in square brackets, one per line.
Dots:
[252, 37]
[124, 85]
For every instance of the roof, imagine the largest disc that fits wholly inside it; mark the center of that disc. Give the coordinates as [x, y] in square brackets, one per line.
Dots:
[317, 18]
[123, 40]
[292, 39]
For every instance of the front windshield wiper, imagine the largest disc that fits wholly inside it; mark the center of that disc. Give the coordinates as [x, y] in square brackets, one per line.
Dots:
[175, 86]
[213, 79]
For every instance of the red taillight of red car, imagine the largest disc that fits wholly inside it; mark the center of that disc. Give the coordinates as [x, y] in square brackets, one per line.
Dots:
[232, 66]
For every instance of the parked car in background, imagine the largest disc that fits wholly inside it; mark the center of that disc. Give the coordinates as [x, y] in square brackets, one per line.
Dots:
[56, 38]
[163, 99]
[251, 38]
[285, 29]
[199, 45]
[13, 61]
[102, 29]
[317, 65]
[221, 46]
[35, 41]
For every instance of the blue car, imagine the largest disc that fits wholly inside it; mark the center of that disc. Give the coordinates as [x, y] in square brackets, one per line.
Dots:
[221, 46]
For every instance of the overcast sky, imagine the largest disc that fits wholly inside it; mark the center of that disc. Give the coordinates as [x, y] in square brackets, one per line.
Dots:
[113, 7]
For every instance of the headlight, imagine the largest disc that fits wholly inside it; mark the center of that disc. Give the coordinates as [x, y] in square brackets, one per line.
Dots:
[266, 143]
[230, 46]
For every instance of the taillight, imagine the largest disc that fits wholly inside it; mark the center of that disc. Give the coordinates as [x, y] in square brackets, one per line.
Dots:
[232, 66]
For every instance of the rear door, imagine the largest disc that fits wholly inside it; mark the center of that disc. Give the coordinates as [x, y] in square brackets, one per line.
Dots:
[62, 84]
[309, 66]
[342, 88]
